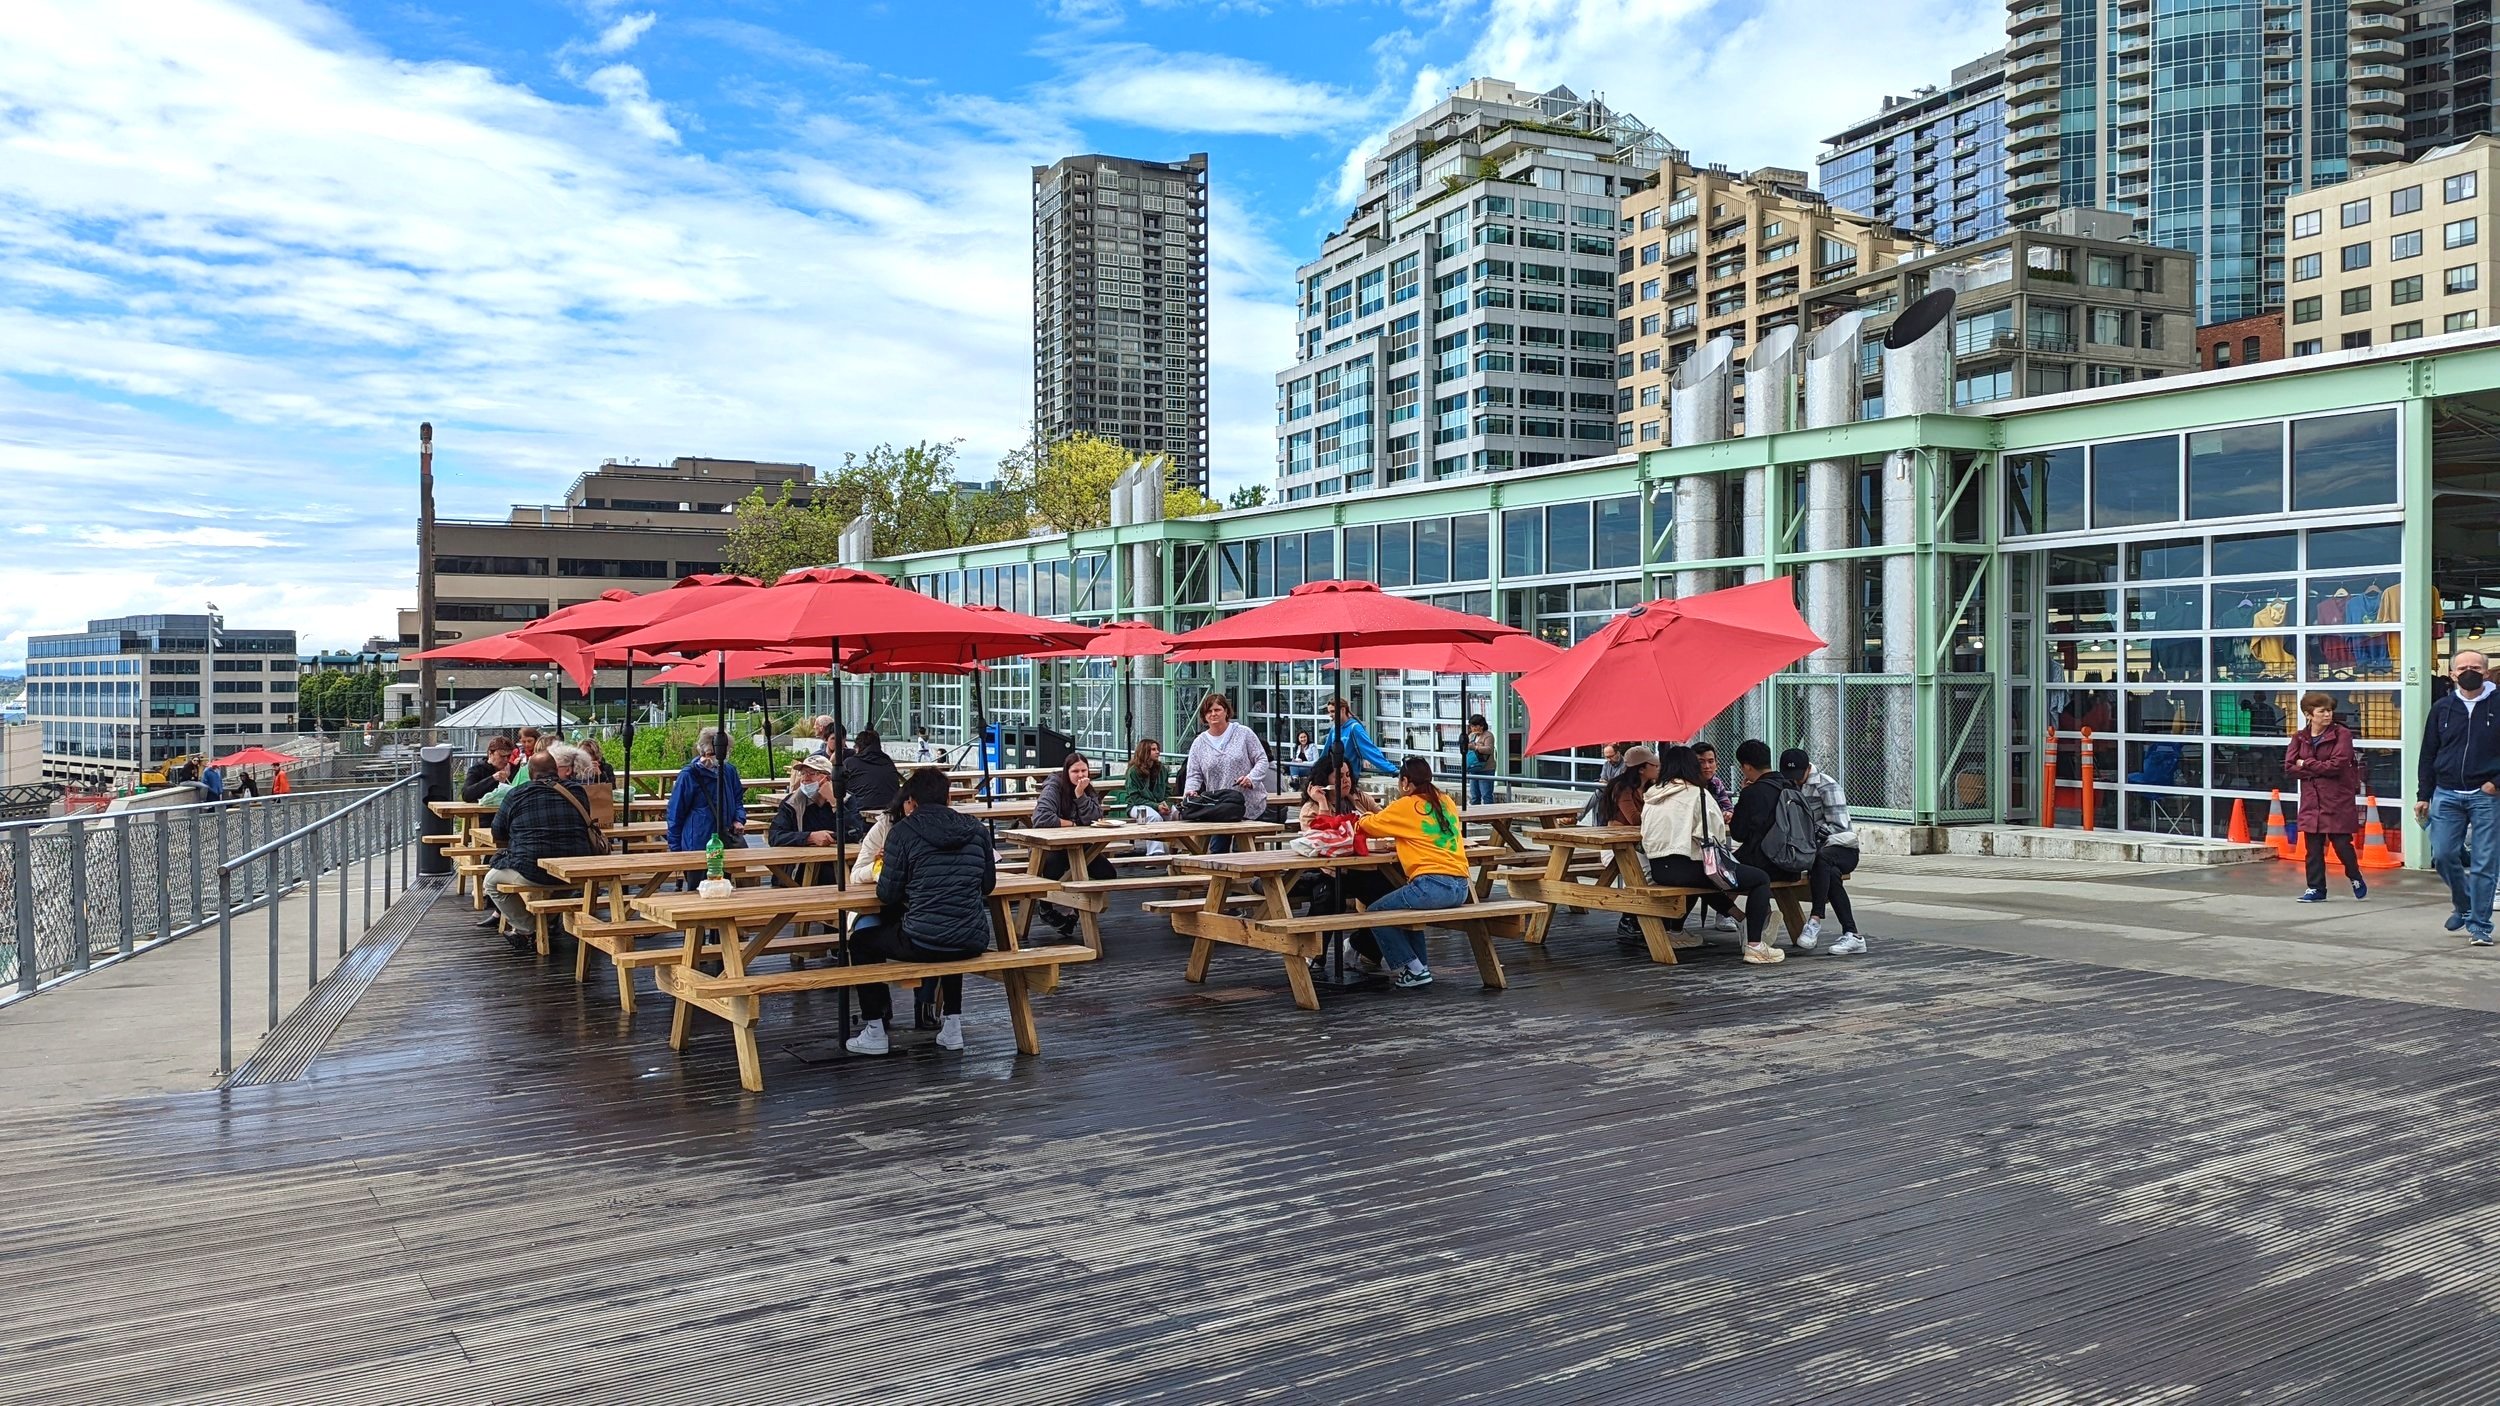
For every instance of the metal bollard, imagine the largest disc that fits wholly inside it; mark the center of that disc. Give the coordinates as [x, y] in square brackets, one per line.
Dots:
[164, 878]
[272, 901]
[77, 839]
[2088, 797]
[225, 973]
[128, 938]
[312, 906]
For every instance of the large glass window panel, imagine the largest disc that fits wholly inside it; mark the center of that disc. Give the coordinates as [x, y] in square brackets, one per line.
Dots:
[1288, 553]
[1319, 556]
[2082, 566]
[1397, 555]
[2135, 482]
[2242, 766]
[2271, 551]
[2166, 712]
[2255, 658]
[2152, 608]
[2082, 612]
[2238, 604]
[1618, 533]
[1567, 537]
[2165, 763]
[1231, 571]
[2236, 472]
[2044, 491]
[1432, 551]
[2083, 661]
[1468, 547]
[1359, 561]
[2174, 560]
[1523, 541]
[2343, 548]
[2370, 658]
[2165, 660]
[2344, 461]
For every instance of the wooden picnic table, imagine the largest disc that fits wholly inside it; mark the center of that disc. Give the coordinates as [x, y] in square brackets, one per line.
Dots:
[1015, 809]
[1270, 925]
[1505, 818]
[1620, 883]
[1083, 844]
[722, 937]
[611, 882]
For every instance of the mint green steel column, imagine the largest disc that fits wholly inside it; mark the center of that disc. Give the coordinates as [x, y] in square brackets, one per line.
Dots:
[2416, 638]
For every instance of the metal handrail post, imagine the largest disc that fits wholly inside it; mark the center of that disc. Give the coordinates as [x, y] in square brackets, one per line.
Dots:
[76, 836]
[344, 851]
[164, 877]
[22, 885]
[272, 901]
[312, 906]
[129, 937]
[373, 829]
[225, 971]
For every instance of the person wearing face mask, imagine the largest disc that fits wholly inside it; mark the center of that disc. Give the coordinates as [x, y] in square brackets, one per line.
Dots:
[806, 815]
[2457, 793]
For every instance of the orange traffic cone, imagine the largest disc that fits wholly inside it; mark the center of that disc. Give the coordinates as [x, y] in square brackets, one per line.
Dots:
[2374, 851]
[2239, 822]
[2276, 840]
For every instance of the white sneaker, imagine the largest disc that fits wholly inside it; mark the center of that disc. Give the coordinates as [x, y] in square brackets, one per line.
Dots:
[1369, 966]
[1723, 922]
[951, 1034]
[869, 1040]
[1764, 954]
[1810, 934]
[1849, 945]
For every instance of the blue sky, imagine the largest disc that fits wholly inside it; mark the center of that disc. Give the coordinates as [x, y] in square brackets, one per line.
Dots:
[246, 246]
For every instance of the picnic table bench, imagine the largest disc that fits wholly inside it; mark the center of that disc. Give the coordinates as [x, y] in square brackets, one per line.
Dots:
[715, 975]
[1089, 897]
[1621, 884]
[605, 921]
[1270, 925]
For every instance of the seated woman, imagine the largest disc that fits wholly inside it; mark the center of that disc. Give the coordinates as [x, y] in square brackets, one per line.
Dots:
[1679, 817]
[934, 878]
[1432, 853]
[1338, 890]
[1146, 793]
[1068, 800]
[1619, 803]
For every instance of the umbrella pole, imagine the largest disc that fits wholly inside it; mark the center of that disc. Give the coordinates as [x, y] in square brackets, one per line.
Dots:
[1336, 717]
[556, 689]
[1463, 793]
[629, 728]
[841, 864]
[720, 738]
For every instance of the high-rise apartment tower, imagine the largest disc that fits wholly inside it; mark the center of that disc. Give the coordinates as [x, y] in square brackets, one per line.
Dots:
[1932, 162]
[1463, 320]
[1120, 305]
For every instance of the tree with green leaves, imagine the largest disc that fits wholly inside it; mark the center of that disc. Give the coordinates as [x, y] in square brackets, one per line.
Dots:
[1068, 487]
[910, 494]
[1249, 495]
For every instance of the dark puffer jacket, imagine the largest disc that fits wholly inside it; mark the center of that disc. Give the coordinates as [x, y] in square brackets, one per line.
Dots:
[938, 874]
[537, 822]
[870, 781]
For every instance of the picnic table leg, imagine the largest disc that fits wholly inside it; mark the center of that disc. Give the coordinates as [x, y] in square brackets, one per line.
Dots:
[1219, 888]
[1488, 963]
[1020, 1012]
[1298, 976]
[1792, 912]
[750, 1059]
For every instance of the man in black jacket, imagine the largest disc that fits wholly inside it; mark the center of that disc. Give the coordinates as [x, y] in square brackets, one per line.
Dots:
[1757, 806]
[870, 780]
[805, 816]
[548, 819]
[493, 771]
[938, 873]
[2457, 793]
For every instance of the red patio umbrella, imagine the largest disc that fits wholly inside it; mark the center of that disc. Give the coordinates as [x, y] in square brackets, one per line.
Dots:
[569, 655]
[1328, 616]
[1666, 668]
[1019, 636]
[597, 622]
[1122, 640]
[254, 756]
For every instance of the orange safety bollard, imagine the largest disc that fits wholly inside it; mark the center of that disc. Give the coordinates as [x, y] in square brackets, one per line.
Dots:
[2239, 822]
[2089, 797]
[2276, 840]
[2374, 851]
[2048, 785]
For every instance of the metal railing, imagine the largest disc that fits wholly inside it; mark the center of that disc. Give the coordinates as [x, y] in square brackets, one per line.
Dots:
[81, 892]
[380, 824]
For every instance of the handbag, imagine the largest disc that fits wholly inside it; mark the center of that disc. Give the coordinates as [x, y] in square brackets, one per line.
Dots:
[1220, 806]
[1717, 859]
[1335, 836]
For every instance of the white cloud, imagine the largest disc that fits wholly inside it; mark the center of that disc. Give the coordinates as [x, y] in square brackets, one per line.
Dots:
[628, 95]
[1168, 92]
[158, 539]
[624, 33]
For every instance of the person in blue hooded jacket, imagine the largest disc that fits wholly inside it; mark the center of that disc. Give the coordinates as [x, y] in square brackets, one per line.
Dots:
[700, 787]
[1348, 736]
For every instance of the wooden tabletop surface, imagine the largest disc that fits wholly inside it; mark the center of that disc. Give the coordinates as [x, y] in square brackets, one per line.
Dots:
[1075, 836]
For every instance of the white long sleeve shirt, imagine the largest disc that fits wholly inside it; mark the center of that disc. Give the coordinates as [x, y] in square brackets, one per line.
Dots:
[1217, 762]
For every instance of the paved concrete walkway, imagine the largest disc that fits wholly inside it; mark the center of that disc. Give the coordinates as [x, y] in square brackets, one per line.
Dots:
[148, 1024]
[2236, 922]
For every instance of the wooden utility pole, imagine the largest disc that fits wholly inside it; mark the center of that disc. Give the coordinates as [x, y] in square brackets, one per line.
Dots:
[425, 572]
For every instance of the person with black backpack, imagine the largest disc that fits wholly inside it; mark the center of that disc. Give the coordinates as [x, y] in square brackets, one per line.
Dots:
[1772, 828]
[1835, 854]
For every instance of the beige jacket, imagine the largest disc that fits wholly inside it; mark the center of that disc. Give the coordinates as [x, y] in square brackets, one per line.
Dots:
[1674, 814]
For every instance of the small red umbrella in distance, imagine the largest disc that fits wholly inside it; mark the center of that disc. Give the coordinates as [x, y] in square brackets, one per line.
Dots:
[254, 756]
[514, 647]
[1666, 668]
[1331, 615]
[1122, 640]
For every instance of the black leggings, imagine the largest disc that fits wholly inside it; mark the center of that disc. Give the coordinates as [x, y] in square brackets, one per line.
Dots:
[884, 942]
[1339, 892]
[1824, 886]
[2315, 844]
[1752, 885]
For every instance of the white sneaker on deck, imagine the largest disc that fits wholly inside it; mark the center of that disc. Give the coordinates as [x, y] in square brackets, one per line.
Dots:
[1810, 934]
[869, 1040]
[951, 1034]
[1723, 922]
[1849, 945]
[1764, 954]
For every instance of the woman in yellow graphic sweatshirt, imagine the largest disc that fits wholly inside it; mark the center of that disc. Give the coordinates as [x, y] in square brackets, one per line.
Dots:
[1432, 849]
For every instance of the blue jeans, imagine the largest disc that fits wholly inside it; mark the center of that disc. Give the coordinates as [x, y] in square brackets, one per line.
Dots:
[2465, 849]
[1479, 790]
[1404, 947]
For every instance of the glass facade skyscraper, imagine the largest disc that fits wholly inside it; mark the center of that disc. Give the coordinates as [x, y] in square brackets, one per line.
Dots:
[1932, 162]
[2198, 117]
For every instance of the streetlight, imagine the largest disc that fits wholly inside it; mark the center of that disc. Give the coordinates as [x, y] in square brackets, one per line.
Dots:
[208, 687]
[451, 692]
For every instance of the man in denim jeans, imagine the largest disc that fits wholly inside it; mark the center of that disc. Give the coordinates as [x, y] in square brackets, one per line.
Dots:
[2457, 793]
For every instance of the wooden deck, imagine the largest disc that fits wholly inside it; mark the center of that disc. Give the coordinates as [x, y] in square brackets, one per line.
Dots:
[1931, 1175]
